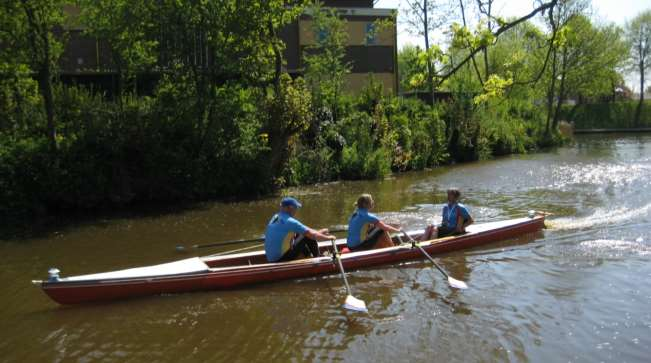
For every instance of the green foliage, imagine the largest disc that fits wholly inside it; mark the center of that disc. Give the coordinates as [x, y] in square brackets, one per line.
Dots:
[325, 63]
[606, 115]
[225, 121]
[411, 68]
[494, 87]
[638, 34]
[365, 155]
[591, 57]
[420, 135]
[126, 26]
[19, 99]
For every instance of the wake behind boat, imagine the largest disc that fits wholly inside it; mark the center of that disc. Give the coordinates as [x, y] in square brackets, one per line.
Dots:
[241, 269]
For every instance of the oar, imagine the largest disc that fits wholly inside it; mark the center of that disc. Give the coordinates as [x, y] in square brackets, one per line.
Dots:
[351, 303]
[238, 250]
[223, 243]
[237, 241]
[452, 281]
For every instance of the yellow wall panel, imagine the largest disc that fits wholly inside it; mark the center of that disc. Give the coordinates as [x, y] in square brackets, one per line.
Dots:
[356, 33]
[355, 82]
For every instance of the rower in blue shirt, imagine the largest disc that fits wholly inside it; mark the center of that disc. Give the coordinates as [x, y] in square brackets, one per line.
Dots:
[454, 221]
[286, 238]
[365, 230]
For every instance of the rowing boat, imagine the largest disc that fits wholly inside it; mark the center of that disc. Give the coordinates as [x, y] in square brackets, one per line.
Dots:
[235, 270]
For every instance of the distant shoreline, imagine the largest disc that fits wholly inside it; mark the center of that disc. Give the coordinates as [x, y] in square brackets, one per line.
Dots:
[599, 131]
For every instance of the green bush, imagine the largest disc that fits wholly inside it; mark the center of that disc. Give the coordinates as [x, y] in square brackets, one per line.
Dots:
[135, 150]
[606, 115]
[420, 131]
[158, 148]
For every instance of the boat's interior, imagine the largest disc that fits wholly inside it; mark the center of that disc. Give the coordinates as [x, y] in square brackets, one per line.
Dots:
[258, 257]
[202, 264]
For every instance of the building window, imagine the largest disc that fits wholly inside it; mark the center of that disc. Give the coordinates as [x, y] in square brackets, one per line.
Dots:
[371, 34]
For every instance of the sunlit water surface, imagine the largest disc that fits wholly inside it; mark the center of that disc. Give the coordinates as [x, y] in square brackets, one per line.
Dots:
[580, 291]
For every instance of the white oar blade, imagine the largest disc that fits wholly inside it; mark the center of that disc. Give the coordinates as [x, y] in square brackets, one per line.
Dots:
[458, 284]
[355, 304]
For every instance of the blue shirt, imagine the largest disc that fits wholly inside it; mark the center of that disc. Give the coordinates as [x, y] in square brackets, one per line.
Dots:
[451, 214]
[358, 226]
[279, 236]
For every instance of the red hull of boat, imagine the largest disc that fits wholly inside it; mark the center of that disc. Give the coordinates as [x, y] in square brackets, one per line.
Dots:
[90, 291]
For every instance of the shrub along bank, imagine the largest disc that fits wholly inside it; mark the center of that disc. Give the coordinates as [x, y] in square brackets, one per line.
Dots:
[608, 115]
[148, 149]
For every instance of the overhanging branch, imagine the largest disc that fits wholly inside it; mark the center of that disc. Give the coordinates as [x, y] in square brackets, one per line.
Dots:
[496, 34]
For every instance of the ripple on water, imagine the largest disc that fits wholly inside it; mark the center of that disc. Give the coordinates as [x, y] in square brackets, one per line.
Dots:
[616, 248]
[603, 175]
[594, 252]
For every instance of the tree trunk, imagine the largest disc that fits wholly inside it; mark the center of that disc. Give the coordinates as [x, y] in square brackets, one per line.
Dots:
[561, 91]
[41, 52]
[45, 84]
[550, 96]
[474, 62]
[638, 109]
[278, 137]
[485, 51]
[430, 76]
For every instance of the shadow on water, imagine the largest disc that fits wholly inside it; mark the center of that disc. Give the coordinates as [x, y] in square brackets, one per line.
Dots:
[50, 225]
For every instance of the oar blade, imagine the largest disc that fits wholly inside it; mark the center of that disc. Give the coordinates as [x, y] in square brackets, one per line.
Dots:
[458, 284]
[355, 304]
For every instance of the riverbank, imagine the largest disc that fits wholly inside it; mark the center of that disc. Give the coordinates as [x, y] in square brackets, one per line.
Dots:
[604, 131]
[618, 115]
[45, 223]
[116, 155]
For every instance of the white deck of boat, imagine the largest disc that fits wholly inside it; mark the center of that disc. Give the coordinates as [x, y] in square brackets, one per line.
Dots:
[186, 266]
[483, 227]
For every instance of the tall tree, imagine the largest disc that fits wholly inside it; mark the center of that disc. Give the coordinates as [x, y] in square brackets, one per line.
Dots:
[35, 44]
[409, 66]
[557, 20]
[325, 59]
[127, 28]
[465, 44]
[588, 61]
[638, 32]
[422, 18]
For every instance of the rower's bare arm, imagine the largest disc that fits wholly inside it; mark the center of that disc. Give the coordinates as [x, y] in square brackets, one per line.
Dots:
[387, 227]
[462, 224]
[470, 221]
[317, 235]
[461, 227]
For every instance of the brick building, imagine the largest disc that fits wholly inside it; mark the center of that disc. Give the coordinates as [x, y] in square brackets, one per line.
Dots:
[87, 60]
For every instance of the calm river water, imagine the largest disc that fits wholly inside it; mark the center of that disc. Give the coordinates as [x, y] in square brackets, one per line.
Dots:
[580, 291]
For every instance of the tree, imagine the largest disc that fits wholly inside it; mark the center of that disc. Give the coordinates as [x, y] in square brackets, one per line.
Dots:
[325, 59]
[638, 32]
[32, 42]
[588, 61]
[127, 28]
[557, 20]
[409, 66]
[423, 17]
[464, 43]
